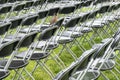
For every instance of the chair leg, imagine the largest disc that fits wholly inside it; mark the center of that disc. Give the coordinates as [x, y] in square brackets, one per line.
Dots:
[19, 75]
[56, 61]
[91, 40]
[106, 33]
[86, 40]
[98, 32]
[111, 71]
[14, 75]
[35, 67]
[105, 77]
[74, 43]
[117, 63]
[41, 64]
[46, 68]
[79, 45]
[28, 74]
[114, 75]
[60, 52]
[94, 74]
[117, 70]
[62, 63]
[117, 57]
[70, 51]
[110, 29]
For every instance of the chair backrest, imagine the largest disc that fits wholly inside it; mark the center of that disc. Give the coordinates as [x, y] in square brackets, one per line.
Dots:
[19, 7]
[78, 5]
[5, 9]
[78, 19]
[48, 33]
[19, 0]
[51, 1]
[85, 17]
[29, 4]
[30, 20]
[93, 14]
[27, 39]
[53, 11]
[117, 6]
[15, 22]
[67, 9]
[4, 27]
[104, 9]
[42, 14]
[100, 1]
[11, 1]
[81, 4]
[37, 2]
[71, 23]
[102, 49]
[87, 3]
[3, 1]
[42, 2]
[111, 8]
[78, 65]
[7, 48]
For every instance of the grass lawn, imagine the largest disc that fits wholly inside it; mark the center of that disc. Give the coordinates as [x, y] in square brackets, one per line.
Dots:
[40, 74]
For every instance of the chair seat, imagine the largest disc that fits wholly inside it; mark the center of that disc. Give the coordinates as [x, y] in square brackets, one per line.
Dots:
[43, 27]
[4, 26]
[20, 35]
[15, 64]
[25, 30]
[82, 29]
[3, 74]
[90, 75]
[73, 34]
[117, 17]
[36, 55]
[117, 48]
[105, 40]
[112, 56]
[108, 64]
[118, 13]
[62, 39]
[109, 18]
[102, 21]
[11, 38]
[95, 24]
[35, 28]
[6, 40]
[66, 20]
[96, 45]
[41, 44]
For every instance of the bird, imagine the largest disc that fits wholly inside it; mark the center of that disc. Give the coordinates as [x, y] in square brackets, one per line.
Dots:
[54, 19]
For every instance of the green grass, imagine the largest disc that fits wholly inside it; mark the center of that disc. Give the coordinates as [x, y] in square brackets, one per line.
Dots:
[40, 74]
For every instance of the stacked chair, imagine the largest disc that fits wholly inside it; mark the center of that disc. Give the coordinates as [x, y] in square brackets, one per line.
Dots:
[81, 38]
